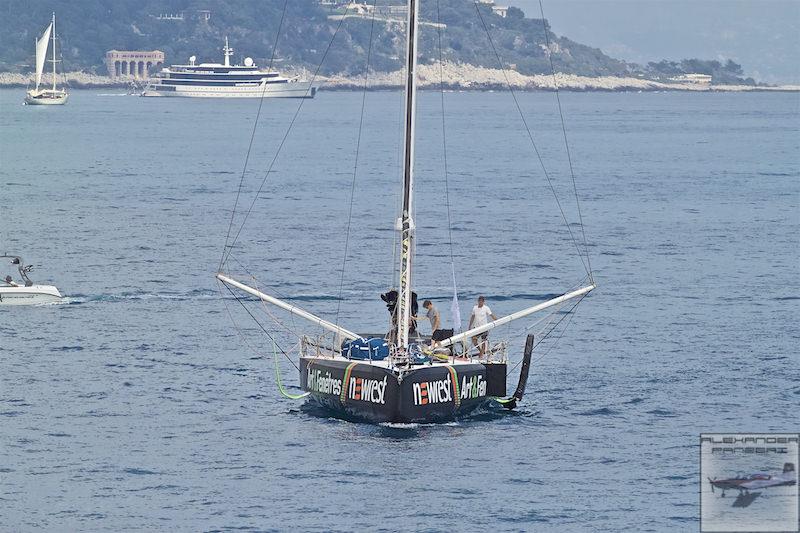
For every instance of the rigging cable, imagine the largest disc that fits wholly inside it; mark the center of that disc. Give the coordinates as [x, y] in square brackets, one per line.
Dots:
[260, 325]
[569, 316]
[274, 290]
[566, 143]
[283, 140]
[241, 334]
[569, 313]
[530, 136]
[252, 136]
[444, 159]
[355, 165]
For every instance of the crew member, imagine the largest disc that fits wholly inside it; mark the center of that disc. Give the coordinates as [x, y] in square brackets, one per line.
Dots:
[390, 297]
[480, 317]
[432, 315]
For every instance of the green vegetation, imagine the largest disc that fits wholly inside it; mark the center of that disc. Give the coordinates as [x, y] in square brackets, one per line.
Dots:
[88, 28]
[721, 73]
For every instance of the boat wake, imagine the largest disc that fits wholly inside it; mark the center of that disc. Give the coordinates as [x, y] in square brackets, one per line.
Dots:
[199, 294]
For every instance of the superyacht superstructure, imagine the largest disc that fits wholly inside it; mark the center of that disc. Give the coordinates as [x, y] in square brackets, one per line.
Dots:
[223, 80]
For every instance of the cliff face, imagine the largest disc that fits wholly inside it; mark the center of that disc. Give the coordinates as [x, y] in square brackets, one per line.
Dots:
[454, 76]
[457, 32]
[182, 28]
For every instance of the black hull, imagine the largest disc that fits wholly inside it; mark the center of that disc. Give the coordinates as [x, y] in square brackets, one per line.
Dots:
[426, 393]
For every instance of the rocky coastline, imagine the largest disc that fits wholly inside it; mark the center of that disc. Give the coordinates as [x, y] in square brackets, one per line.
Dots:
[458, 77]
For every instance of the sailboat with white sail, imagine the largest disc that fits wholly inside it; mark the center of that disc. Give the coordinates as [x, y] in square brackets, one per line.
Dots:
[402, 376]
[41, 95]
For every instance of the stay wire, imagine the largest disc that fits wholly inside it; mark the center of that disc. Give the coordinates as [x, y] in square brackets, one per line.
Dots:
[530, 136]
[548, 319]
[252, 137]
[444, 151]
[567, 314]
[261, 326]
[285, 136]
[252, 348]
[355, 164]
[566, 143]
[570, 314]
[272, 288]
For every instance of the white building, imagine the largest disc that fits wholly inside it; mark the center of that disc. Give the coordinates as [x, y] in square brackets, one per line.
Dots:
[359, 9]
[500, 10]
[698, 79]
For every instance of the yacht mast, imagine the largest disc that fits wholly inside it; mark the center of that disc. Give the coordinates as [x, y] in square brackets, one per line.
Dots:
[54, 51]
[406, 220]
[228, 51]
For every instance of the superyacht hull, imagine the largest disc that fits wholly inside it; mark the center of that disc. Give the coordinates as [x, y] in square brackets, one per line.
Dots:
[379, 392]
[282, 90]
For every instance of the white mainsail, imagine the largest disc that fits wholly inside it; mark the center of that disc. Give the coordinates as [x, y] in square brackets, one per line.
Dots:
[41, 53]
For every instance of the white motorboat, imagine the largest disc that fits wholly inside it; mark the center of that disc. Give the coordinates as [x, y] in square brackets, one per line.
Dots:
[48, 96]
[26, 292]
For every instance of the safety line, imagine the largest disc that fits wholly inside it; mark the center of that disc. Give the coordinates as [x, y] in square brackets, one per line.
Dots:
[278, 378]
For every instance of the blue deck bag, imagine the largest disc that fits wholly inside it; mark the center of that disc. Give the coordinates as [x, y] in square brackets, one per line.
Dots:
[373, 349]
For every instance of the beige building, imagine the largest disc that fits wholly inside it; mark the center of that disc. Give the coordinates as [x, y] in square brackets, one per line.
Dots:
[134, 64]
[697, 79]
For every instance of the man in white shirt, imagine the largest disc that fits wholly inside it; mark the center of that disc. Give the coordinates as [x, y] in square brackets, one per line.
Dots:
[480, 317]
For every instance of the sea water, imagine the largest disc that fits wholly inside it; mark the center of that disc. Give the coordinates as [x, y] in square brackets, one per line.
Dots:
[148, 400]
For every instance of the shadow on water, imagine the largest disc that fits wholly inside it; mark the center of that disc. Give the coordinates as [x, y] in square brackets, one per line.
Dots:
[490, 413]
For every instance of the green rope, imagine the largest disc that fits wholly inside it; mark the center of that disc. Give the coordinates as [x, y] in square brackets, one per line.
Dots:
[278, 378]
[502, 401]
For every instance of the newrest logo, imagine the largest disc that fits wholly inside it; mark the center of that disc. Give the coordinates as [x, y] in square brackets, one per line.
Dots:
[367, 390]
[427, 392]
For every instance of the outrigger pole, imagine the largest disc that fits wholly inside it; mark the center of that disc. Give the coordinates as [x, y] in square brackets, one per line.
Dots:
[330, 326]
[514, 316]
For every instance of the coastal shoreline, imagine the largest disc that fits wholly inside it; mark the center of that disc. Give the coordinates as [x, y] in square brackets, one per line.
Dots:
[455, 77]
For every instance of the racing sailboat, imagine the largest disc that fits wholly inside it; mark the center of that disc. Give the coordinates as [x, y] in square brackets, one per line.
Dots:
[48, 95]
[402, 376]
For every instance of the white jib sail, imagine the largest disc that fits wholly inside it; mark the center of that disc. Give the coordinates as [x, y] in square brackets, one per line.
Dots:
[41, 52]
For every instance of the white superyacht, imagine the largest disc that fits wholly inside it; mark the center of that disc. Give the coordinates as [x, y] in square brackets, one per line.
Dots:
[223, 80]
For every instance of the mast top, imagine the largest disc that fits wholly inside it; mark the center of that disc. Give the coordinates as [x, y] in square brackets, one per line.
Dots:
[228, 51]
